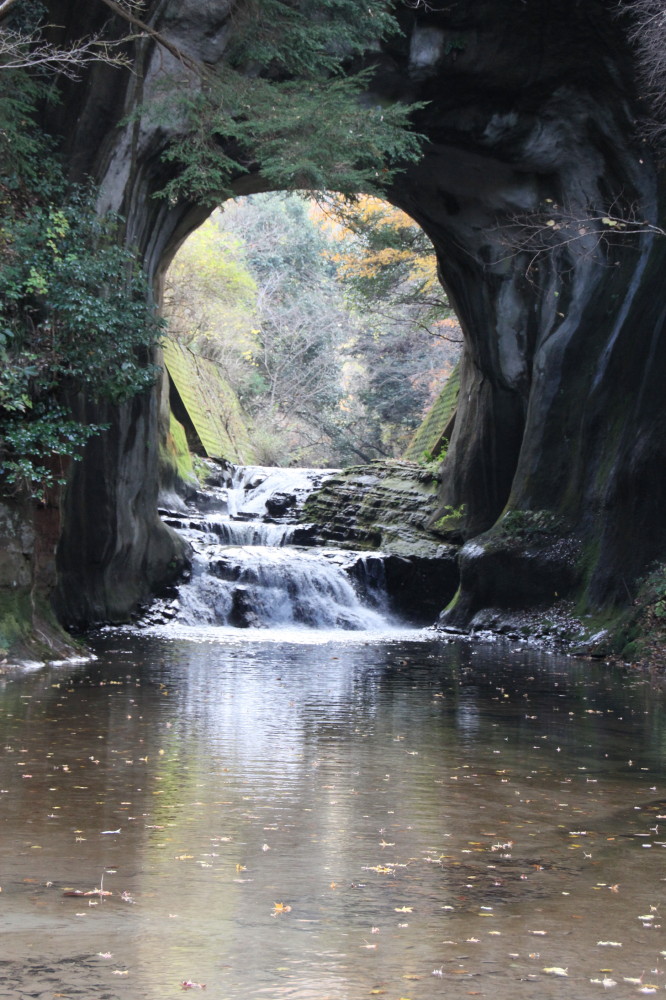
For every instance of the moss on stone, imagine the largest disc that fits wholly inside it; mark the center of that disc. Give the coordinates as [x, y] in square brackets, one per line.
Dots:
[29, 630]
[431, 435]
[175, 456]
[14, 618]
[451, 521]
[639, 634]
[211, 404]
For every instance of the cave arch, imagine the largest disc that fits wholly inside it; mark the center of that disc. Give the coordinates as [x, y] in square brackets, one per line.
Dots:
[530, 112]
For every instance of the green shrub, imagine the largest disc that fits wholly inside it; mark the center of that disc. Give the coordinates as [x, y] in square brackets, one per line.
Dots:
[73, 307]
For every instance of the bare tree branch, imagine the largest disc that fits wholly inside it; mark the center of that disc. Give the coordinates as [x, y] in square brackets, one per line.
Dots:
[555, 227]
[647, 32]
[25, 51]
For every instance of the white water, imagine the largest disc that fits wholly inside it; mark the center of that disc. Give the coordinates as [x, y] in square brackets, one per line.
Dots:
[245, 572]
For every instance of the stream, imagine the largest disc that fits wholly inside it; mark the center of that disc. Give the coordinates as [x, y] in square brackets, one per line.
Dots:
[325, 804]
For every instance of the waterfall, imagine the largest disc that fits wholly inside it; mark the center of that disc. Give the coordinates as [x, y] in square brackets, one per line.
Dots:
[247, 573]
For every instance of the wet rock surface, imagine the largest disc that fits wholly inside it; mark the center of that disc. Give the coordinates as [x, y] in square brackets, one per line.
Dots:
[389, 506]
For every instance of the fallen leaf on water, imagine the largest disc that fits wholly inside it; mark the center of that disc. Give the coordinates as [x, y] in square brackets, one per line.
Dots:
[281, 908]
[403, 909]
[555, 970]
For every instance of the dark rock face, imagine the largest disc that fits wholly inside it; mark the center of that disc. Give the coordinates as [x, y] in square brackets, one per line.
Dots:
[532, 128]
[242, 613]
[280, 504]
[530, 121]
[114, 550]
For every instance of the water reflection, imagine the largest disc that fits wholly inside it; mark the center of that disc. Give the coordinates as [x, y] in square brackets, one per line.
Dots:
[431, 819]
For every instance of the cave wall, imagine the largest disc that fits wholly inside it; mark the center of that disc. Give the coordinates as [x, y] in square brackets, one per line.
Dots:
[560, 406]
[560, 420]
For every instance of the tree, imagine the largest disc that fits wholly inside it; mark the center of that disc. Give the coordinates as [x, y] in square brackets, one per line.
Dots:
[329, 371]
[282, 323]
[647, 30]
[286, 105]
[408, 338]
[210, 302]
[74, 307]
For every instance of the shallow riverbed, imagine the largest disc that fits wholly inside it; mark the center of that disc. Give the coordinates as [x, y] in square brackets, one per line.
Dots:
[315, 815]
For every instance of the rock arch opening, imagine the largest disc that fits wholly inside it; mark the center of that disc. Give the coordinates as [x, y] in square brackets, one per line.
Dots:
[318, 325]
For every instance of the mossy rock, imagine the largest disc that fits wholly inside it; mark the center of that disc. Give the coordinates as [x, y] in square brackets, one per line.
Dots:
[432, 434]
[29, 630]
[210, 403]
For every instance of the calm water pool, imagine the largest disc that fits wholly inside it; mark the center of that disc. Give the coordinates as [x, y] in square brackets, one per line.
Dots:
[313, 816]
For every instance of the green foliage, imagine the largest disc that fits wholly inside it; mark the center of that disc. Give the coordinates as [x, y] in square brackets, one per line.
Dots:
[433, 461]
[451, 520]
[306, 38]
[312, 136]
[73, 313]
[285, 104]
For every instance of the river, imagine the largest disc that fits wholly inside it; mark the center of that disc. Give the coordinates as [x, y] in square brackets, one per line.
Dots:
[306, 814]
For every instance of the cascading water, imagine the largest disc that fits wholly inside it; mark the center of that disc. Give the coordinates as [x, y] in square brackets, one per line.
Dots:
[247, 573]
